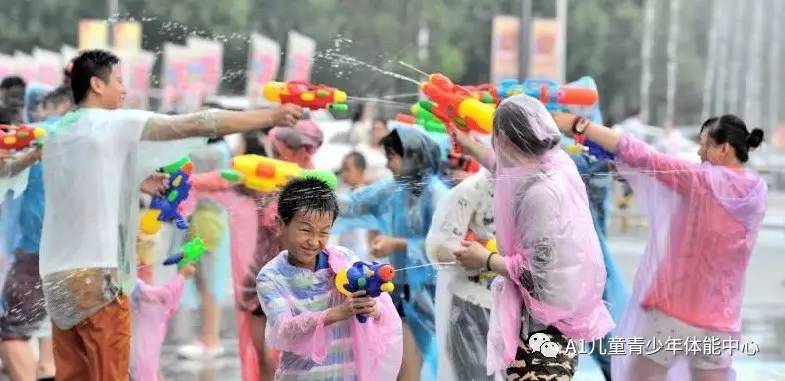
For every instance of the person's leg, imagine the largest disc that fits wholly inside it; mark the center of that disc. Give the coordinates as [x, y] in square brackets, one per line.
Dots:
[23, 312]
[266, 363]
[210, 310]
[46, 361]
[645, 369]
[712, 374]
[18, 359]
[107, 339]
[411, 366]
[70, 355]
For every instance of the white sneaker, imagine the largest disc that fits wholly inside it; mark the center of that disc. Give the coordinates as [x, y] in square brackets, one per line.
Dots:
[198, 351]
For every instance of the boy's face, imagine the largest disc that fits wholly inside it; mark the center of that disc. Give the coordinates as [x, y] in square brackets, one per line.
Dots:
[393, 163]
[351, 174]
[306, 235]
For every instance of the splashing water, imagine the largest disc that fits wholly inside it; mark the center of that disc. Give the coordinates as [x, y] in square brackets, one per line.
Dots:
[379, 100]
[428, 265]
[410, 66]
[338, 59]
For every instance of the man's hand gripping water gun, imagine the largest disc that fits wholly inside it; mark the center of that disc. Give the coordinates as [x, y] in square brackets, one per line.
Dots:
[373, 278]
[306, 95]
[165, 208]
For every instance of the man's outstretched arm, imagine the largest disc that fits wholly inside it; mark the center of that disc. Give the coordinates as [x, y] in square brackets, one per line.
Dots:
[215, 123]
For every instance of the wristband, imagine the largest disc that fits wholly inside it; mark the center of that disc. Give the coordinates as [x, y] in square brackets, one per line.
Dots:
[488, 260]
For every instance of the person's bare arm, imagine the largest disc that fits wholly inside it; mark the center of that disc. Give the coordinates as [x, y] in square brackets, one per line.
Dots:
[214, 123]
[12, 166]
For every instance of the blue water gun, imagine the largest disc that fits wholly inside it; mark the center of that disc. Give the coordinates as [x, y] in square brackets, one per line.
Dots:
[374, 278]
[165, 208]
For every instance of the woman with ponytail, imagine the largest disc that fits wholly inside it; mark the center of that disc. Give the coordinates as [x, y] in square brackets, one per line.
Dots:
[704, 220]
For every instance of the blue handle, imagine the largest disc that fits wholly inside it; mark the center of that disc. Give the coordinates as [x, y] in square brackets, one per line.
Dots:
[173, 259]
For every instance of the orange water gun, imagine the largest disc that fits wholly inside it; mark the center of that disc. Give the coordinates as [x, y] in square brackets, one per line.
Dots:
[456, 104]
[306, 95]
[17, 138]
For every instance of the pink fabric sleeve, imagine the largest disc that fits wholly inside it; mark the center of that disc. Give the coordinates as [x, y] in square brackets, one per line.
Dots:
[168, 295]
[677, 174]
[382, 359]
[209, 181]
[304, 334]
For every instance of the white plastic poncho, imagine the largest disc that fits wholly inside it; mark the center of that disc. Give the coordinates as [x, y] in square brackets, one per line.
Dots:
[463, 301]
[93, 165]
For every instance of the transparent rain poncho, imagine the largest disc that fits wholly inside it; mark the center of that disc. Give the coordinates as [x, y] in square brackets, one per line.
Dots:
[403, 208]
[545, 233]
[463, 300]
[210, 221]
[703, 223]
[296, 302]
[93, 164]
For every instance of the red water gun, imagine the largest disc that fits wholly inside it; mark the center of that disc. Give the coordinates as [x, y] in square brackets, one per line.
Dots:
[307, 95]
[456, 104]
[17, 138]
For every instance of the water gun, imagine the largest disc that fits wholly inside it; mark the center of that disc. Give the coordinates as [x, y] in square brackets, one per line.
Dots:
[579, 97]
[466, 163]
[373, 277]
[17, 138]
[456, 104]
[264, 174]
[190, 253]
[556, 97]
[307, 95]
[164, 208]
[424, 118]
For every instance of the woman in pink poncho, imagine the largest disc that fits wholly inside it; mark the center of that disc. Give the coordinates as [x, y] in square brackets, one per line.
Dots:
[551, 266]
[704, 220]
[254, 238]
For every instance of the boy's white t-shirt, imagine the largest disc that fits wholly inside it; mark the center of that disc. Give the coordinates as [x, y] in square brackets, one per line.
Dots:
[93, 166]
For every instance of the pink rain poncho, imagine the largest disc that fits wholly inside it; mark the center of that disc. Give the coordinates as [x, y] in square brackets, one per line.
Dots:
[703, 223]
[544, 232]
[253, 233]
[296, 302]
[151, 309]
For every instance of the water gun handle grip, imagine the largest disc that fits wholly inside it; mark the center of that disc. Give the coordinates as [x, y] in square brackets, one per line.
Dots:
[173, 259]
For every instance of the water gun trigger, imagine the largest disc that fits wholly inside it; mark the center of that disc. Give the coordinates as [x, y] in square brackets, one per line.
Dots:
[342, 282]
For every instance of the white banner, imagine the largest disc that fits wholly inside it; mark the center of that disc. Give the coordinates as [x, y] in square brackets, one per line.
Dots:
[209, 53]
[48, 67]
[299, 57]
[24, 66]
[6, 66]
[264, 59]
[137, 68]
